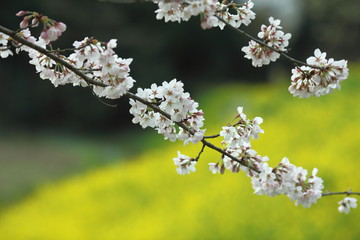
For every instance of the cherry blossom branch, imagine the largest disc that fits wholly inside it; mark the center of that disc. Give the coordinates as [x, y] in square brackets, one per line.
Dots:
[13, 35]
[293, 60]
[189, 130]
[316, 77]
[167, 106]
[78, 72]
[226, 6]
[130, 95]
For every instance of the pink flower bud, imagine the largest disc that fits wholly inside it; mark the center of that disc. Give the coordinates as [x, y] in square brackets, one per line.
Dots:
[22, 13]
[24, 23]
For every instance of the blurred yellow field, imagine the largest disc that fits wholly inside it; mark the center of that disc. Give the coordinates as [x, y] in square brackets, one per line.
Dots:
[144, 198]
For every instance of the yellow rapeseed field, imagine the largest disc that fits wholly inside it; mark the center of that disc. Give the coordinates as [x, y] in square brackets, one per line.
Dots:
[144, 198]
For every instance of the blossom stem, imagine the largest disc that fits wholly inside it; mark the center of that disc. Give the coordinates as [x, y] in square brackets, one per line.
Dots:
[67, 49]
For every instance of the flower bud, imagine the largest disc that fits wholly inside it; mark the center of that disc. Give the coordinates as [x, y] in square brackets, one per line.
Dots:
[24, 23]
[22, 13]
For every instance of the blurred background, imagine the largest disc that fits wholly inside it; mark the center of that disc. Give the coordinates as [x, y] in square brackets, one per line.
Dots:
[72, 168]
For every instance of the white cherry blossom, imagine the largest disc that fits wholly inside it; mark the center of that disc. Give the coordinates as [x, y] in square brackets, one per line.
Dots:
[346, 204]
[321, 77]
[171, 98]
[4, 50]
[210, 10]
[273, 37]
[184, 164]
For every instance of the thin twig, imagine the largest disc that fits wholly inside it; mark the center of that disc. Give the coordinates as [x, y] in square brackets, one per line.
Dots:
[70, 49]
[201, 151]
[64, 50]
[102, 101]
[340, 193]
[212, 136]
[86, 70]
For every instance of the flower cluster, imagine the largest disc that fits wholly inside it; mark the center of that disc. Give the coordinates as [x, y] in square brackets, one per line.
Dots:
[4, 48]
[321, 77]
[272, 37]
[239, 134]
[52, 29]
[210, 11]
[99, 61]
[285, 179]
[346, 204]
[217, 168]
[289, 180]
[183, 10]
[184, 164]
[246, 158]
[237, 143]
[243, 14]
[48, 69]
[170, 98]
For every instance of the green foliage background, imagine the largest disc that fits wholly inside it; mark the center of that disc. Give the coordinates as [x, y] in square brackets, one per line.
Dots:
[144, 198]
